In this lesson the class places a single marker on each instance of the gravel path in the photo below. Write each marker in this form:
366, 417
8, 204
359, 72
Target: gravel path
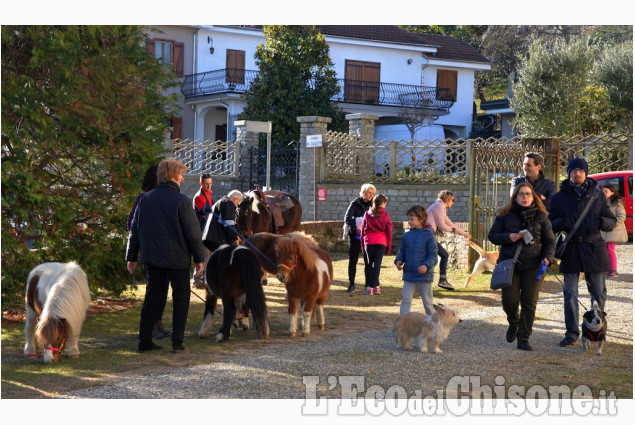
475, 347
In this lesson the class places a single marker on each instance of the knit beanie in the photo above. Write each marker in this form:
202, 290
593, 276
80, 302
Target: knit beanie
577, 163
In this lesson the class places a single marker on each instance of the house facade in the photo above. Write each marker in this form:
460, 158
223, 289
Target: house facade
381, 69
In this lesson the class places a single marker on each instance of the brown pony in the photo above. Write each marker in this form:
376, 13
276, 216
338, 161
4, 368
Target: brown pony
307, 273
263, 244
254, 215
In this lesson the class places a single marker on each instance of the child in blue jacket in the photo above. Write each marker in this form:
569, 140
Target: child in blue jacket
417, 257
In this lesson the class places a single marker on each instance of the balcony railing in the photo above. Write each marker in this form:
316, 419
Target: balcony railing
351, 91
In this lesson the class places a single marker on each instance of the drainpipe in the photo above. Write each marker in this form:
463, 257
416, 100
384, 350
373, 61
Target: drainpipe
194, 71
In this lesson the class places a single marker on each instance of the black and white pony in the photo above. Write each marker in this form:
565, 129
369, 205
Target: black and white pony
59, 295
233, 275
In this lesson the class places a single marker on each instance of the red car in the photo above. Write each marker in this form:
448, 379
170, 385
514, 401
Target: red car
623, 181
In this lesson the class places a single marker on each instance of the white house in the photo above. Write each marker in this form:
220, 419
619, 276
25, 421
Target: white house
381, 69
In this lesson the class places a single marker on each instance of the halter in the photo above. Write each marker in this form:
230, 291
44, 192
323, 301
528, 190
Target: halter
62, 346
287, 267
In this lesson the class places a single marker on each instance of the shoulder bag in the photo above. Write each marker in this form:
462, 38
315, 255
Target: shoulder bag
504, 270
562, 240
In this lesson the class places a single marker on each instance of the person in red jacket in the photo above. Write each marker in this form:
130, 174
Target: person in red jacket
376, 238
202, 201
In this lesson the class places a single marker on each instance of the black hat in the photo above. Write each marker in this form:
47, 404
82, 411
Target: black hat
577, 163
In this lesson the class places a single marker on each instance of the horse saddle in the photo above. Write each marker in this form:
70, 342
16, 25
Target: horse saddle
279, 202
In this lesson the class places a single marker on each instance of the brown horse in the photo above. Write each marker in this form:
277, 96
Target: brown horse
258, 210
307, 273
263, 244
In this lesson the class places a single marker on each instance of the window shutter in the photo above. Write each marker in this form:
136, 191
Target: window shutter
446, 79
178, 59
150, 47
177, 128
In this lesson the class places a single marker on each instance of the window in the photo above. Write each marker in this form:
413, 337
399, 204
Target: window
446, 84
168, 52
177, 127
361, 82
235, 64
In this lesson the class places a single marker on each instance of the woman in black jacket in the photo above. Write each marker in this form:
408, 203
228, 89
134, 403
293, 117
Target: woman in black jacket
164, 236
356, 211
524, 211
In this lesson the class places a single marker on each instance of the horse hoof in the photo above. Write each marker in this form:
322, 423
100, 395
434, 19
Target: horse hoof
321, 327
291, 334
220, 338
305, 334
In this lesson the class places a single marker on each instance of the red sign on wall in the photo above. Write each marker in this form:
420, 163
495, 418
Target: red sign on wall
322, 194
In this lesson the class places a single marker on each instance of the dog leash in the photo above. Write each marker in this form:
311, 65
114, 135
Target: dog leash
244, 238
564, 288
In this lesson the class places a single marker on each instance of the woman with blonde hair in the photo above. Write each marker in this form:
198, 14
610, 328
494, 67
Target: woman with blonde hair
353, 219
441, 223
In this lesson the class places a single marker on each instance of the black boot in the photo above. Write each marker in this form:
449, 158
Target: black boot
443, 283
351, 288
510, 336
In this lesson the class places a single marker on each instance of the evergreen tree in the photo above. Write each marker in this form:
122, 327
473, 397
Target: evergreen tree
82, 118
296, 78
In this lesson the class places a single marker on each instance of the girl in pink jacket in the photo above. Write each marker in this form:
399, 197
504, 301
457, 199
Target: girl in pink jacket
376, 238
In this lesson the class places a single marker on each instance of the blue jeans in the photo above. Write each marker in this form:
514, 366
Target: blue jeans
425, 290
596, 284
443, 263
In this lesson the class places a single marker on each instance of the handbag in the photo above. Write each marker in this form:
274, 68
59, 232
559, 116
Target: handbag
503, 272
562, 240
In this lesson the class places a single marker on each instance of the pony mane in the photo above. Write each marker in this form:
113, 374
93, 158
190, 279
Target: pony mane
69, 296
307, 239
305, 253
47, 330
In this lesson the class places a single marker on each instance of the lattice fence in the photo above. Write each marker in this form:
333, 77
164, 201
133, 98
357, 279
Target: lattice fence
348, 158
603, 153
217, 158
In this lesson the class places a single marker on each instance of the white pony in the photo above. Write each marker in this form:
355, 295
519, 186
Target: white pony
58, 293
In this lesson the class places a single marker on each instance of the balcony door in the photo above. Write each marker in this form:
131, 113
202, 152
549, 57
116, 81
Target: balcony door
235, 64
361, 83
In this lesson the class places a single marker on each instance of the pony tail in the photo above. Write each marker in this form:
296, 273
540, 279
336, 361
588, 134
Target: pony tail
378, 200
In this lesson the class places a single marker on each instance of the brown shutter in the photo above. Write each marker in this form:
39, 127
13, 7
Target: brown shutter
150, 47
235, 64
177, 128
178, 59
446, 79
361, 82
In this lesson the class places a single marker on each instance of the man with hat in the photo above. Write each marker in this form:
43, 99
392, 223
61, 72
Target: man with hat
586, 249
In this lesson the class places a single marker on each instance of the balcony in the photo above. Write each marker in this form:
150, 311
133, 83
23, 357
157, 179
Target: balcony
224, 81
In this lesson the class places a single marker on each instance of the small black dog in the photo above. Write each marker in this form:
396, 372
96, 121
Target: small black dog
594, 328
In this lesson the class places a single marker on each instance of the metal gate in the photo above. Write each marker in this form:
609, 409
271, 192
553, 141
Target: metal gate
495, 162
285, 168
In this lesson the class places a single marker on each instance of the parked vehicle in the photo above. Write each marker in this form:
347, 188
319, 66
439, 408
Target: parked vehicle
623, 181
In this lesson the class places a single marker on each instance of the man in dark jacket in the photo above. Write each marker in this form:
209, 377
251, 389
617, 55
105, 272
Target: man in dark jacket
221, 225
532, 167
586, 250
356, 210
165, 235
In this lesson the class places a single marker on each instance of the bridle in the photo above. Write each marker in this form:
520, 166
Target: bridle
62, 345
289, 269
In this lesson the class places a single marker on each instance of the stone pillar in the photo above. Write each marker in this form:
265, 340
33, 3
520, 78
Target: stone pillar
245, 140
363, 125
311, 164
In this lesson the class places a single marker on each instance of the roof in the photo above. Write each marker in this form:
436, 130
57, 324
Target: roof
448, 48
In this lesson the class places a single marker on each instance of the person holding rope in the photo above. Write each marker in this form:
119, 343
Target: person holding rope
164, 236
585, 250
221, 223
